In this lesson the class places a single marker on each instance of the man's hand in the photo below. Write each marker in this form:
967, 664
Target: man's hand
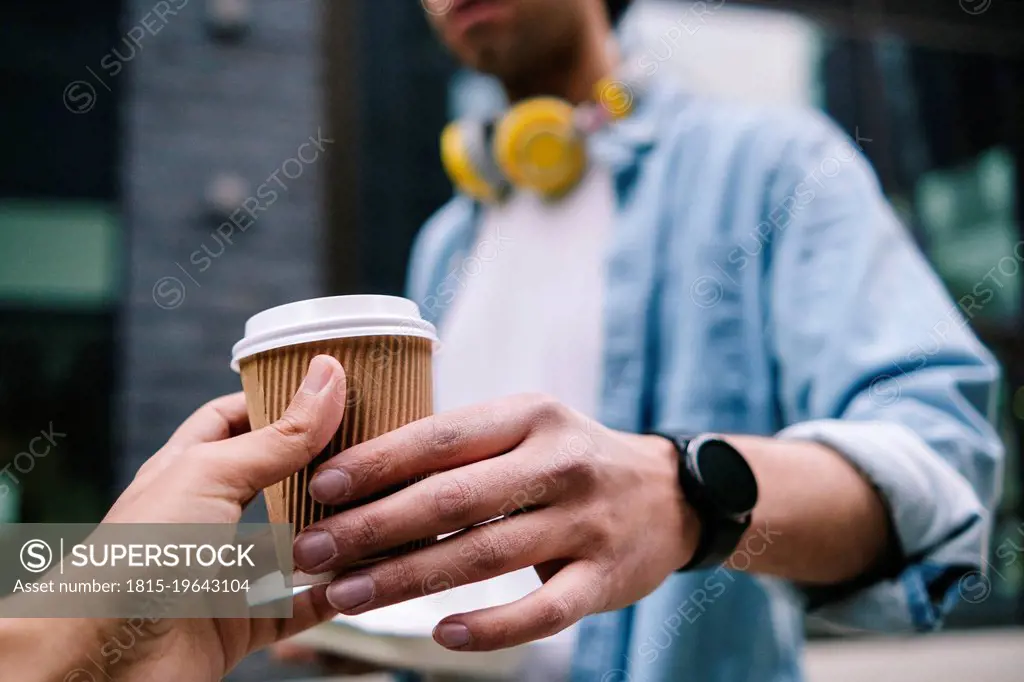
598, 513
211, 467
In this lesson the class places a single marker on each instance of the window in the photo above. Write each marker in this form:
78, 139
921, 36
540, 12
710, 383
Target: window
59, 265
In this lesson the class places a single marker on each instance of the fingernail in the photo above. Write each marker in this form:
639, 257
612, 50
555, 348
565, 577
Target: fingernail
452, 635
330, 486
351, 592
312, 549
318, 375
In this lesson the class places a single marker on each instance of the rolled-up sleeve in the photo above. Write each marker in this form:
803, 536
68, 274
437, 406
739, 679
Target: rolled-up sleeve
876, 361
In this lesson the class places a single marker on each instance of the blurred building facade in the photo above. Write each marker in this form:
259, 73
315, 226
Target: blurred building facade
222, 217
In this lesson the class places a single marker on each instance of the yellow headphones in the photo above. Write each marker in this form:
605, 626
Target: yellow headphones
539, 144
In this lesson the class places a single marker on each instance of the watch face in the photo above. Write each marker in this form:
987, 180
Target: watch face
727, 477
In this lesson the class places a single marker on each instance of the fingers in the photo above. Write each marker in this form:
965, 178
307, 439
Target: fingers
478, 554
572, 593
258, 459
308, 609
441, 504
217, 420
437, 443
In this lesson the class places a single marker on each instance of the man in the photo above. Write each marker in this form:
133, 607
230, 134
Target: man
719, 269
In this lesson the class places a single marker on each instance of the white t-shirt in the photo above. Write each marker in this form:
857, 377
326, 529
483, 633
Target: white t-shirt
528, 317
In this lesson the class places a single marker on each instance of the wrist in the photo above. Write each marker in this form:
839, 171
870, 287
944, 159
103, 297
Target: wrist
692, 530
687, 532
720, 488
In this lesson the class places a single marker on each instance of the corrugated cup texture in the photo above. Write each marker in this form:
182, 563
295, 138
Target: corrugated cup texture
389, 382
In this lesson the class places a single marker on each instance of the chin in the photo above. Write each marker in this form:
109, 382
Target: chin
490, 62
490, 59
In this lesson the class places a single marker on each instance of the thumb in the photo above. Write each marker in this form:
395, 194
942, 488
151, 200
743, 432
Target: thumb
262, 458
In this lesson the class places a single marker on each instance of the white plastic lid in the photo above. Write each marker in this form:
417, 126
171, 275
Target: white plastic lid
337, 317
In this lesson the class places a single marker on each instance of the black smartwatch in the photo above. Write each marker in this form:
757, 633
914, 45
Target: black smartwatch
720, 486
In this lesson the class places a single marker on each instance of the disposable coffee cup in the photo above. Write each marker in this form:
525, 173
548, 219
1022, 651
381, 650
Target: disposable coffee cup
386, 349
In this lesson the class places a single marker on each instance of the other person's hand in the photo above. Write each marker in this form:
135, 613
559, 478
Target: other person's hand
206, 473
598, 512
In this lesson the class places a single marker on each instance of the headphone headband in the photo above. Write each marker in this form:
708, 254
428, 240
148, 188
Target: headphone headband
538, 144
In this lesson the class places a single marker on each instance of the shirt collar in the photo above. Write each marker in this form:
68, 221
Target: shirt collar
621, 144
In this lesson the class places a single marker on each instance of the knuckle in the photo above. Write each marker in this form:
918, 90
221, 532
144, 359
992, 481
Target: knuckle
581, 468
589, 535
366, 468
547, 410
454, 500
556, 614
212, 406
295, 426
577, 473
445, 434
395, 578
491, 553
365, 531
584, 527
207, 408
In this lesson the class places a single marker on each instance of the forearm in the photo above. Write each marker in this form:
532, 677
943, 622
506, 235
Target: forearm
80, 650
817, 520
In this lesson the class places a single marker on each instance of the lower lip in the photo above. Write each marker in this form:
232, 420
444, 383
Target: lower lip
477, 13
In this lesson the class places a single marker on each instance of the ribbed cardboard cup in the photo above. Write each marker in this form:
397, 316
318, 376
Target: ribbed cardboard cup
386, 349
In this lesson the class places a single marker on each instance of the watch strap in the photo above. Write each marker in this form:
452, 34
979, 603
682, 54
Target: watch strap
720, 534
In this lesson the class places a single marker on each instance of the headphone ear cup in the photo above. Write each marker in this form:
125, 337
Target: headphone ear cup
536, 146
464, 153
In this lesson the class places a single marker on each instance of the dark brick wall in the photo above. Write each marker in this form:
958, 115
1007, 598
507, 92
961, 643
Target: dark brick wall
195, 107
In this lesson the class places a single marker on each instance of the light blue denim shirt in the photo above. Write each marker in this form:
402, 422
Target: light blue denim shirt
759, 283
